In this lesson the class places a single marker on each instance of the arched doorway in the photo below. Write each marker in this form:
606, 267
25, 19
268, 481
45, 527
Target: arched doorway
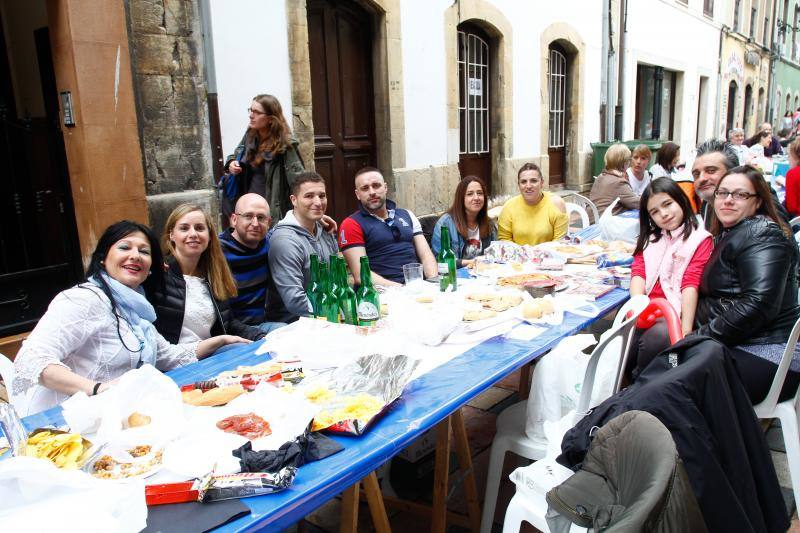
729, 122
558, 119
748, 106
340, 43
761, 115
474, 104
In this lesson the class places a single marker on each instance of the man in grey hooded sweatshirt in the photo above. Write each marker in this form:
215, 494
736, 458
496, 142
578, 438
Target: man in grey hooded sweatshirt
291, 243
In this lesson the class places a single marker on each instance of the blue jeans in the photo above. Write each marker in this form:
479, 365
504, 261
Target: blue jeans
267, 327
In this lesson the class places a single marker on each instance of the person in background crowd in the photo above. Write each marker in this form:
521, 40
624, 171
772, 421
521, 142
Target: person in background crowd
97, 330
667, 159
638, 175
613, 183
266, 161
193, 303
668, 261
470, 228
246, 249
748, 294
291, 243
534, 215
390, 236
793, 180
774, 146
786, 122
758, 144
736, 139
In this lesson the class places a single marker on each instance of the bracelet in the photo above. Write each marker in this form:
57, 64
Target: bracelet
95, 388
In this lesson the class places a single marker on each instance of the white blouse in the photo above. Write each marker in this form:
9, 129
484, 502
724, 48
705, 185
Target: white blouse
79, 332
199, 314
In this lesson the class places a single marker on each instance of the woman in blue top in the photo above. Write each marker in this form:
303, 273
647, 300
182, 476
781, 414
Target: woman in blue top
471, 230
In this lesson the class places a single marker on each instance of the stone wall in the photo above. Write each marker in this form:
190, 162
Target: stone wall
167, 54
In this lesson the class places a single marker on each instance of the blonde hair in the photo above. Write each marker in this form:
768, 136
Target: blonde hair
642, 150
616, 156
212, 265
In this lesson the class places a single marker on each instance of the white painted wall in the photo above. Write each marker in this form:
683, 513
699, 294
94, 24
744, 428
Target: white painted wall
425, 83
251, 53
528, 20
667, 34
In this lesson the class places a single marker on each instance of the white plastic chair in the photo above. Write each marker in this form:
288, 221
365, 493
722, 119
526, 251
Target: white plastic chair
543, 475
511, 436
794, 222
787, 411
575, 208
587, 205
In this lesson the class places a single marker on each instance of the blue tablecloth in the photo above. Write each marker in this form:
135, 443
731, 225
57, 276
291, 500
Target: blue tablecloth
425, 402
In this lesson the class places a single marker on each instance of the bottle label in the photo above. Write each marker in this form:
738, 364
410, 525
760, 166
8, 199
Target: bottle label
443, 270
367, 311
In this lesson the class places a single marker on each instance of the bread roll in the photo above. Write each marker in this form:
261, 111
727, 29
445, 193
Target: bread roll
213, 397
537, 308
138, 419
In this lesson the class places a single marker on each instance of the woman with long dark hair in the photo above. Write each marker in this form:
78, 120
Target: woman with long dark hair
96, 331
194, 302
748, 294
667, 159
266, 161
467, 220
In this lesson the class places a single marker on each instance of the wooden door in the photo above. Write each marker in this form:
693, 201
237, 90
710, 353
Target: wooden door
557, 115
340, 49
39, 253
473, 103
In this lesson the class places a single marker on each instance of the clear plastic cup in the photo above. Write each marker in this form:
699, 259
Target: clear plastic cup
413, 276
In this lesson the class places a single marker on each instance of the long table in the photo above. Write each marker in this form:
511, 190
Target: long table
425, 402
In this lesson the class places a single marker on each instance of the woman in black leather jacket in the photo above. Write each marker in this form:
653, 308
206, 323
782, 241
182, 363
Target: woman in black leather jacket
194, 305
748, 294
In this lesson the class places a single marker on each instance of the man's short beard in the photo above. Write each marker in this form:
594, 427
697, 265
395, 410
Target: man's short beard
378, 208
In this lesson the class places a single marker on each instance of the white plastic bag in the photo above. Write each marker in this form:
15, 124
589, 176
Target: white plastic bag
558, 379
143, 390
35, 495
614, 228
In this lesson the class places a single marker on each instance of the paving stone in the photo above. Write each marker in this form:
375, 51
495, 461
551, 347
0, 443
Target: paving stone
490, 398
775, 439
782, 469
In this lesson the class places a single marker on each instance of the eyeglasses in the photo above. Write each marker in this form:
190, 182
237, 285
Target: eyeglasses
722, 194
255, 111
248, 217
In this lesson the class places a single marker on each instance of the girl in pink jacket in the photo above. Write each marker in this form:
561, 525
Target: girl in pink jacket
668, 261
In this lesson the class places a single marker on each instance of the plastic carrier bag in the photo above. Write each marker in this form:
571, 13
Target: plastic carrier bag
614, 228
558, 378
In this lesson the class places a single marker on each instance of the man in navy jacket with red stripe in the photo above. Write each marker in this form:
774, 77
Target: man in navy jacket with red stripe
391, 237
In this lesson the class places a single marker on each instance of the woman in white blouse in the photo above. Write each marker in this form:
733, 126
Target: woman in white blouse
193, 304
96, 331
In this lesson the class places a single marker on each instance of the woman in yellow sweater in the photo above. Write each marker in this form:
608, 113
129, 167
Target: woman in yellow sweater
534, 215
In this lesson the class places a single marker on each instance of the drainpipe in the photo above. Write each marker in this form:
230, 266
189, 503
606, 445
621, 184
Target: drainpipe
610, 86
717, 107
210, 72
604, 82
619, 110
774, 55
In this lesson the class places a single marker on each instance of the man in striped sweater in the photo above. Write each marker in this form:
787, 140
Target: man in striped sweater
245, 247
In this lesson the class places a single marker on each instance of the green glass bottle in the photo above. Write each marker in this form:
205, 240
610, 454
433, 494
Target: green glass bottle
312, 289
369, 304
328, 306
447, 264
348, 305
